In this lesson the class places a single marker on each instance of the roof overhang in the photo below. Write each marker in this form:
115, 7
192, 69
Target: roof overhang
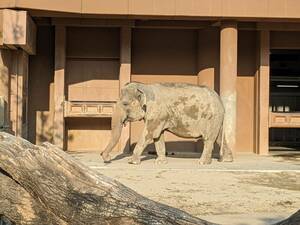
17, 30
259, 9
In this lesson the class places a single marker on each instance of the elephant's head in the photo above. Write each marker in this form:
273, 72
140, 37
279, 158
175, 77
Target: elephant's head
131, 107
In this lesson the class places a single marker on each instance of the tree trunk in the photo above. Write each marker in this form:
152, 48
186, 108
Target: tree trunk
17, 206
44, 185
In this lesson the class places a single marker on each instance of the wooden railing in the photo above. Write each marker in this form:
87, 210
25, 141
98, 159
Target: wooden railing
284, 120
88, 109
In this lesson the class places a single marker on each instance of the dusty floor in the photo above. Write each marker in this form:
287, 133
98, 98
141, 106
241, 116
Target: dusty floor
252, 190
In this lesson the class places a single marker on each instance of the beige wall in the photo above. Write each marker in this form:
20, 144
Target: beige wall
88, 134
92, 74
92, 80
164, 52
40, 99
245, 91
208, 57
92, 70
158, 55
93, 42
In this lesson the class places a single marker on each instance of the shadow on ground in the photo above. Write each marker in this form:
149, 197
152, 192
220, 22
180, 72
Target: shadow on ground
287, 156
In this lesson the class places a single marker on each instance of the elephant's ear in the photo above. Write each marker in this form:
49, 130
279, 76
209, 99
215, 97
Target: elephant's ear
141, 97
145, 93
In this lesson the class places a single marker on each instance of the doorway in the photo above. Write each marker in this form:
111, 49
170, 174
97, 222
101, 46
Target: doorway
284, 133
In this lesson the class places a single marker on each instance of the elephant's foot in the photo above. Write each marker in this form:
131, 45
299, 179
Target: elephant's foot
205, 161
136, 160
226, 158
161, 160
106, 157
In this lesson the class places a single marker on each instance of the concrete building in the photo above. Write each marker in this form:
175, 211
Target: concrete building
63, 64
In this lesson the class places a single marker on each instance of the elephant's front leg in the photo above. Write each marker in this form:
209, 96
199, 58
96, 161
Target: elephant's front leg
161, 150
146, 139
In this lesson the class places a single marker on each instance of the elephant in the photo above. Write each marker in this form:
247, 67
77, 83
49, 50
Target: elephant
186, 110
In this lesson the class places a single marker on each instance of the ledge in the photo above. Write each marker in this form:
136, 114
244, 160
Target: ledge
280, 9
88, 109
17, 30
284, 120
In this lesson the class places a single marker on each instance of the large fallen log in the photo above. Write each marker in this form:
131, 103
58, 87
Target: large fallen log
17, 205
43, 185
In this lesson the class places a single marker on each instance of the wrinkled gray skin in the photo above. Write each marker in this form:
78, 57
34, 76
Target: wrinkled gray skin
186, 110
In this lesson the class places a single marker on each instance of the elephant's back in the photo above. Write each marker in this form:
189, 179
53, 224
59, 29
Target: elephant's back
192, 110
186, 88
180, 97
174, 91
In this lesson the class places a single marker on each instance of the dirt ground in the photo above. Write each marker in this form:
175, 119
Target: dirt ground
253, 190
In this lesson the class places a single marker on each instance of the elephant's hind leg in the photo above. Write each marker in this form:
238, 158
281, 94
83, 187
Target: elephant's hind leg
161, 150
225, 154
225, 151
207, 152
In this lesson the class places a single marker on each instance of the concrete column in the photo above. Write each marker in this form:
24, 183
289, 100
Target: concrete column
125, 74
18, 93
263, 82
59, 86
23, 61
14, 92
5, 60
228, 77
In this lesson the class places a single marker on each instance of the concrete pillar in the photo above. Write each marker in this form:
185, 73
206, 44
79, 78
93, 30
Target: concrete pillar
125, 74
19, 93
59, 86
14, 92
263, 92
5, 88
228, 78
23, 62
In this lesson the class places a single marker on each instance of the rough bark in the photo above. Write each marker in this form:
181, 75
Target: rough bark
18, 206
44, 185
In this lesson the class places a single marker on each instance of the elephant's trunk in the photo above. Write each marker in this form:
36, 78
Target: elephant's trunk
117, 121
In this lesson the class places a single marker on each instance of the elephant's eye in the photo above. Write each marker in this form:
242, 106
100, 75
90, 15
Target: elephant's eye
125, 103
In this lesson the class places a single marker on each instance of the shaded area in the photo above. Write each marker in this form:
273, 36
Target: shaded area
174, 149
164, 52
288, 181
287, 155
285, 93
41, 71
5, 221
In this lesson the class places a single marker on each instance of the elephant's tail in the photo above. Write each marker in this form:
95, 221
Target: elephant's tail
221, 140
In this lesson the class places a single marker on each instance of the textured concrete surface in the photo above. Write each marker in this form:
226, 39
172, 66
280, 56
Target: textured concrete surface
253, 190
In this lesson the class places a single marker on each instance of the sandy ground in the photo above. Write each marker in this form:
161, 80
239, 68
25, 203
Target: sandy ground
252, 190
